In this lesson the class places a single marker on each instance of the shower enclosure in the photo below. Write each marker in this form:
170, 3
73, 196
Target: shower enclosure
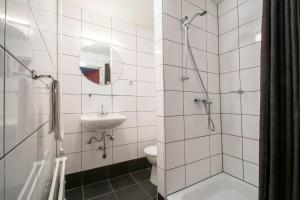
208, 63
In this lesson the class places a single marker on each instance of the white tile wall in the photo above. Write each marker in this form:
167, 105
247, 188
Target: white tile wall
136, 101
240, 69
187, 152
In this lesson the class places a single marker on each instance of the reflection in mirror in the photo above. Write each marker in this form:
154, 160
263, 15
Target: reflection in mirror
100, 63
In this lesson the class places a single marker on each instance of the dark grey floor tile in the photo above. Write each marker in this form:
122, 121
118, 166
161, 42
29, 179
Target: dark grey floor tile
110, 196
142, 175
96, 189
74, 194
132, 193
122, 181
149, 188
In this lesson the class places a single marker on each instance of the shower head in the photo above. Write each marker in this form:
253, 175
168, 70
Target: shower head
187, 22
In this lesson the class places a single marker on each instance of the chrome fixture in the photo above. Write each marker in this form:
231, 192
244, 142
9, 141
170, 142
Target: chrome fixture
35, 75
103, 140
102, 113
187, 49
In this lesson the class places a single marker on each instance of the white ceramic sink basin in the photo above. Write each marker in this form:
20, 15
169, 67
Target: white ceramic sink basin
96, 122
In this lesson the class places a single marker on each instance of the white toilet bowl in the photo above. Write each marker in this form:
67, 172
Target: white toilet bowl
151, 154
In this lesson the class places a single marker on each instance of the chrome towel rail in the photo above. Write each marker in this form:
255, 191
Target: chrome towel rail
35, 75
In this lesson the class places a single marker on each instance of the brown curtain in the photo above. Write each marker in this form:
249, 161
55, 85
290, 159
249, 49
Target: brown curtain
279, 120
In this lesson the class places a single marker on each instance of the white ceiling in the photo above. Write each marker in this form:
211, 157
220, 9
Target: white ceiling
136, 11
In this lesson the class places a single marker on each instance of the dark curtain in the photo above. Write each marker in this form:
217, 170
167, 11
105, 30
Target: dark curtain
279, 120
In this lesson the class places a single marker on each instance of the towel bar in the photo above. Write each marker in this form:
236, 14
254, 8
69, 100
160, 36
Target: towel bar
35, 75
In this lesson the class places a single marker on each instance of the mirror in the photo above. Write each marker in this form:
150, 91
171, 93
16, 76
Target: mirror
100, 63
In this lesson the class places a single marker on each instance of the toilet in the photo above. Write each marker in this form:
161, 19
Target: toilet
151, 155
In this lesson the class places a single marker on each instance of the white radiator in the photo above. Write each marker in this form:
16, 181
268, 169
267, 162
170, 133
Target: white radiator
57, 191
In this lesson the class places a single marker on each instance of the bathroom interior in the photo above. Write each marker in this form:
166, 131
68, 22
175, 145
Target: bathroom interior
149, 99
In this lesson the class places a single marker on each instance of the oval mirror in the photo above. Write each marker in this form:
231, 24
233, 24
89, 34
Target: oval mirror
100, 63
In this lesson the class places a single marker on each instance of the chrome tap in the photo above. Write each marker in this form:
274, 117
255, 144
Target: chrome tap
102, 113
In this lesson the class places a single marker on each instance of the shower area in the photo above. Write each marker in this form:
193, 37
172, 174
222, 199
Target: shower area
208, 91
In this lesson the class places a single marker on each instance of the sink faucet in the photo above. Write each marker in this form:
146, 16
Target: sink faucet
102, 111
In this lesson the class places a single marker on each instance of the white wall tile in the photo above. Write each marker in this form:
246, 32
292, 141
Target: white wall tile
174, 128
231, 103
71, 10
70, 65
250, 79
123, 26
71, 123
228, 21
145, 89
172, 78
124, 136
174, 154
228, 41
70, 45
125, 152
212, 24
231, 124
230, 82
172, 53
95, 18
127, 56
173, 103
212, 63
124, 103
197, 38
216, 164
146, 104
71, 27
74, 88
145, 33
145, 45
145, 74
251, 150
212, 43
229, 61
233, 166
146, 133
251, 103
94, 32
73, 163
146, 118
196, 149
232, 145
250, 126
175, 179
199, 3
145, 59
251, 173
213, 83
250, 33
71, 103
124, 87
250, 56
197, 171
172, 29
195, 126
172, 7
225, 6
212, 7
124, 40
161, 155
72, 143
250, 10
215, 144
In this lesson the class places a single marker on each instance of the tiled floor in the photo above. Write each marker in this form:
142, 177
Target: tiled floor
132, 186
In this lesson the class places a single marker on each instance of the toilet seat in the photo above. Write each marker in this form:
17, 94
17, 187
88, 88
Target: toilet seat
151, 150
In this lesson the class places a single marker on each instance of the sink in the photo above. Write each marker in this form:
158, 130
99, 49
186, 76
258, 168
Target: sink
102, 122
